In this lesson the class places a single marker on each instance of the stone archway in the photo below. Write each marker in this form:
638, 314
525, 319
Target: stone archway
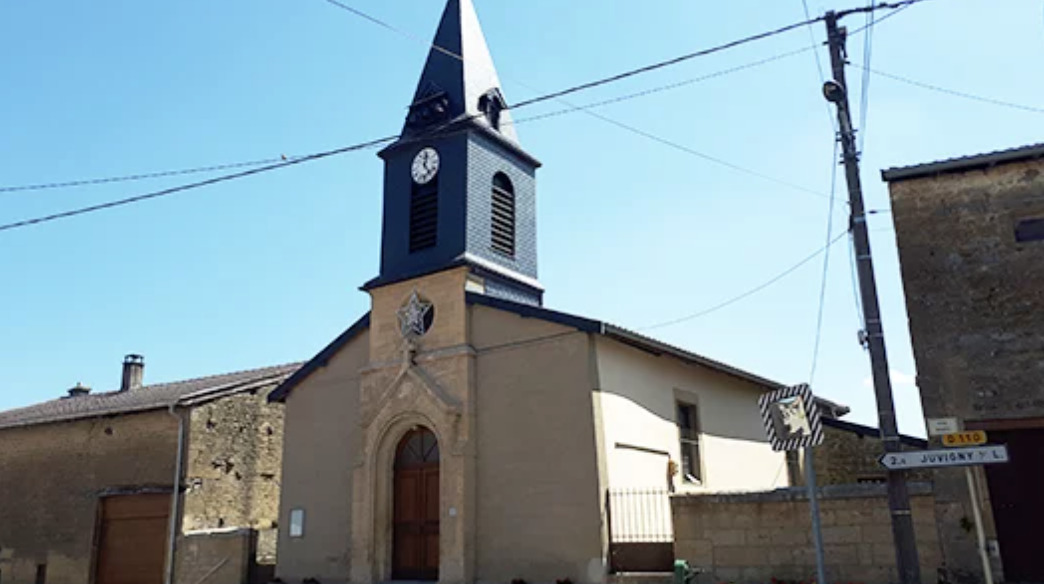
415, 507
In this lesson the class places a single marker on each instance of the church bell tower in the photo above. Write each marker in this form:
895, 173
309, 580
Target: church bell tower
459, 190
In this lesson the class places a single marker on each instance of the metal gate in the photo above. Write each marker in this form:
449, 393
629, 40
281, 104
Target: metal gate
641, 533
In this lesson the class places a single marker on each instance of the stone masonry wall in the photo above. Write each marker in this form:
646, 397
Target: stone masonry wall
51, 477
752, 538
847, 457
233, 468
975, 299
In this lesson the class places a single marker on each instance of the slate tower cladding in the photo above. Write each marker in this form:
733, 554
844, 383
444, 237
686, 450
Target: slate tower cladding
458, 187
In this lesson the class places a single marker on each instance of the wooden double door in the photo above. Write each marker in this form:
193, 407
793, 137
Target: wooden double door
415, 546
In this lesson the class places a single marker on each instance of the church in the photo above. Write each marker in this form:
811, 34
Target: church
462, 432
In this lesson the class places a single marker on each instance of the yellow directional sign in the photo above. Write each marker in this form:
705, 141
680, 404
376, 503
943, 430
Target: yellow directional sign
964, 439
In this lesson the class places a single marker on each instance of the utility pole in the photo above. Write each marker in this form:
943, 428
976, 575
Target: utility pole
836, 91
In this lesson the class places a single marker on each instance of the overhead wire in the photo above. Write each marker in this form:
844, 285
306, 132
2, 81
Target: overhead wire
195, 185
559, 95
826, 265
953, 92
307, 158
160, 174
864, 87
142, 176
560, 112
748, 293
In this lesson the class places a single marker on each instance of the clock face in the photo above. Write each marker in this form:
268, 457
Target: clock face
425, 166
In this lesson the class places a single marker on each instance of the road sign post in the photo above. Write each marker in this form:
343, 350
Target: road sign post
792, 422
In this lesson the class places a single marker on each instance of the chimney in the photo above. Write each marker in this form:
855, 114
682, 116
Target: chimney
133, 372
79, 390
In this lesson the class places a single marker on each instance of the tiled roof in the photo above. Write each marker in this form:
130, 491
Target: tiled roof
150, 397
964, 163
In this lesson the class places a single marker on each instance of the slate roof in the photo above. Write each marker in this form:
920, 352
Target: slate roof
964, 163
871, 432
622, 335
149, 397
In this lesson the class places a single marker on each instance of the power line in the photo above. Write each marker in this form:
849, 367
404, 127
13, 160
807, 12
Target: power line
864, 87
144, 176
677, 60
196, 185
812, 38
668, 87
826, 264
953, 92
558, 95
229, 166
748, 293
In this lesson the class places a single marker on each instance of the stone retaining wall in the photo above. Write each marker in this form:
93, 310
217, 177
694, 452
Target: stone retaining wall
752, 538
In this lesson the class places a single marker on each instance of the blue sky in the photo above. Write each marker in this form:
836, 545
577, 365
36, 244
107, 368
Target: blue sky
265, 270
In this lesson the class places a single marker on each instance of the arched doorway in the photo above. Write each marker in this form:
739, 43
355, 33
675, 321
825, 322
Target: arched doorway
415, 527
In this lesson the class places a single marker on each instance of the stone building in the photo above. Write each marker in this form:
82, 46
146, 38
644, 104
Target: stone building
849, 455
462, 432
970, 233
86, 482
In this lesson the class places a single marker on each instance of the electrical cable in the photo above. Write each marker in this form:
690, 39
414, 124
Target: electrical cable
620, 99
864, 88
748, 293
826, 265
134, 177
953, 92
187, 187
558, 95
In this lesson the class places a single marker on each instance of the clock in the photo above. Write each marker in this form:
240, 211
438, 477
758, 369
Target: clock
425, 166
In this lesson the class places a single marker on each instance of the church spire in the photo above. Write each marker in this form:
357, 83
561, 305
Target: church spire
459, 79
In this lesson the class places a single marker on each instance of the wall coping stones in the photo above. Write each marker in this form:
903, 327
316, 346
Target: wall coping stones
858, 491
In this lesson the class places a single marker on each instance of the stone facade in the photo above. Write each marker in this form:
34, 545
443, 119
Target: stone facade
756, 537
849, 455
54, 475
975, 299
234, 463
51, 477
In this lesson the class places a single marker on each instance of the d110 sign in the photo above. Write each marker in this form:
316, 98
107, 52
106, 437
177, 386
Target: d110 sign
943, 458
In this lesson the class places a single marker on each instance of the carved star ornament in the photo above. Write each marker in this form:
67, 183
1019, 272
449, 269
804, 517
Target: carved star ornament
415, 317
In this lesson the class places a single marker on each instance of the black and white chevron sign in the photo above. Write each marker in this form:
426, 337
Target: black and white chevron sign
791, 418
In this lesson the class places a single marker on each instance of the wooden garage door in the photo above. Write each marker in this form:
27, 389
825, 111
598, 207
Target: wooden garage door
132, 547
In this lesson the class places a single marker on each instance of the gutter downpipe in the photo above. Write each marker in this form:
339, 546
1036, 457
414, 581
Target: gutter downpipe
175, 502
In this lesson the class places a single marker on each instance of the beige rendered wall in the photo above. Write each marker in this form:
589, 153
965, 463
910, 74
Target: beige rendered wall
51, 477
321, 441
539, 514
638, 398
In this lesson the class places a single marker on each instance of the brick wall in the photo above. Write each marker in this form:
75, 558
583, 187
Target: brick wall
755, 537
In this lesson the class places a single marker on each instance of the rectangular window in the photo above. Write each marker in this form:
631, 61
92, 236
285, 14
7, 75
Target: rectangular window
297, 519
424, 216
689, 436
41, 574
1029, 230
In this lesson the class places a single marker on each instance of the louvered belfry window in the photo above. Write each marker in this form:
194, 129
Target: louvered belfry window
503, 215
424, 216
